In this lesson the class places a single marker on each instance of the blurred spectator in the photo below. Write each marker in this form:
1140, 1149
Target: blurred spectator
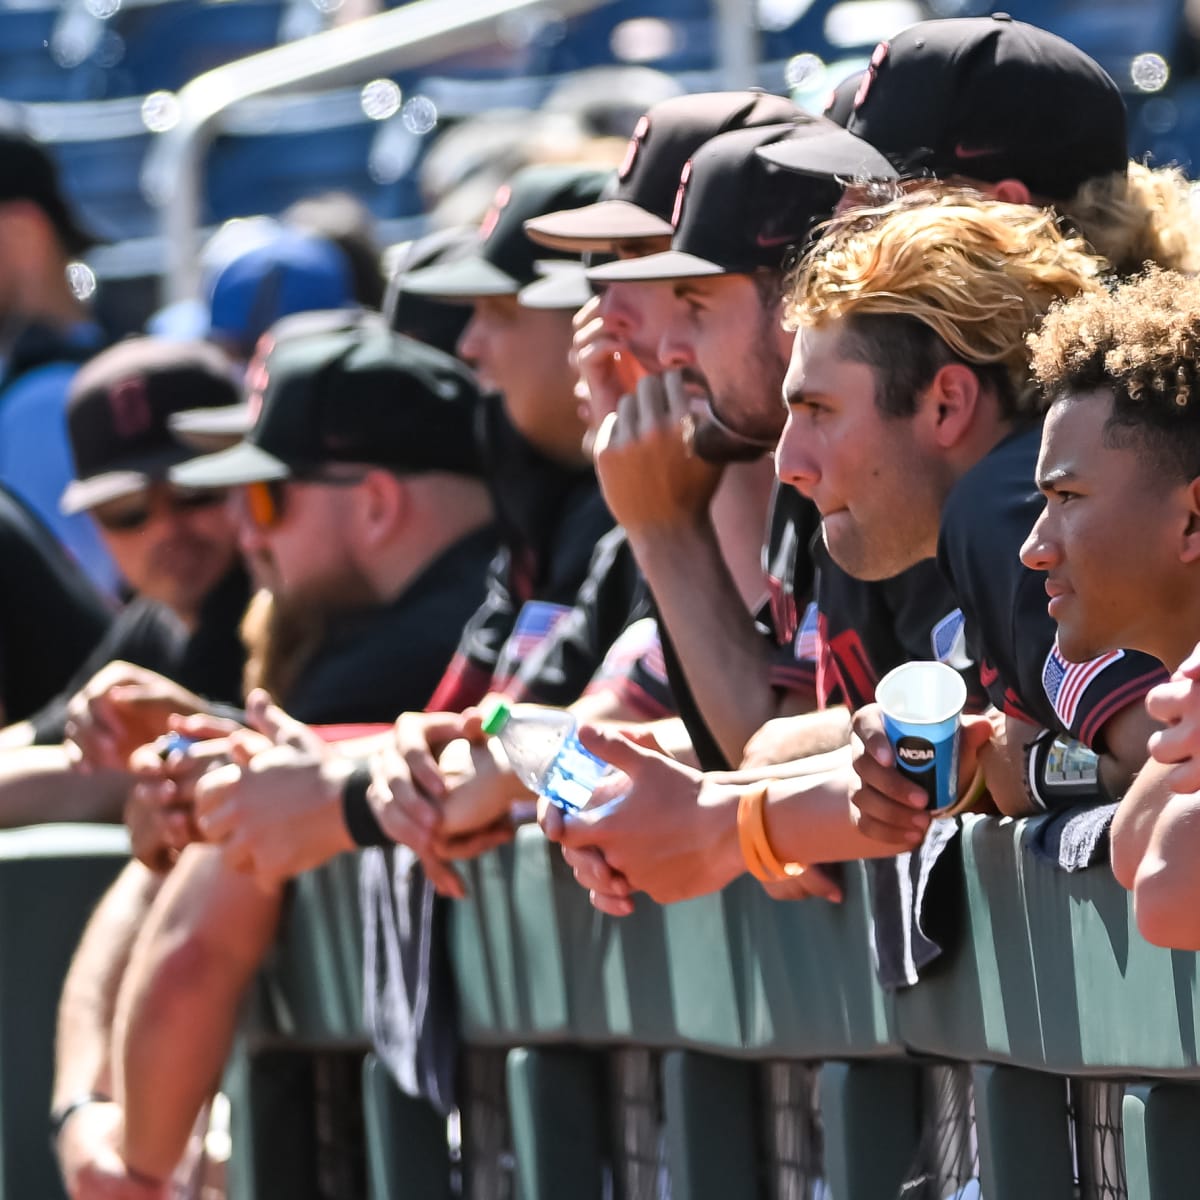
176, 550
362, 509
257, 272
608, 101
343, 219
425, 318
47, 332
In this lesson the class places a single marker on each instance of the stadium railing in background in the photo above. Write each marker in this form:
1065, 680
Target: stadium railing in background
738, 1047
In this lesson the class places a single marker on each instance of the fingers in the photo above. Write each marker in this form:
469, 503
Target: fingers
265, 716
1168, 702
592, 872
477, 842
203, 727
445, 879
867, 727
1190, 667
213, 815
882, 819
616, 749
612, 906
650, 405
404, 815
808, 882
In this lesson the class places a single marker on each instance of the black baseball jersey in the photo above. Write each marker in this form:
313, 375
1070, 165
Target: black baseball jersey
865, 629
791, 577
608, 641
51, 618
1009, 632
550, 518
387, 659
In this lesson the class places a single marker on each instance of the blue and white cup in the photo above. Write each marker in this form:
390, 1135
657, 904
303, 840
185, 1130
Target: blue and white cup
921, 703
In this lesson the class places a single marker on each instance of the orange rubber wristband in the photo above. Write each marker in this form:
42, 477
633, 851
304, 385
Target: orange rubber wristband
762, 860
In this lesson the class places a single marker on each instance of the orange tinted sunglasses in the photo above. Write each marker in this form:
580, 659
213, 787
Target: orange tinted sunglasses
265, 500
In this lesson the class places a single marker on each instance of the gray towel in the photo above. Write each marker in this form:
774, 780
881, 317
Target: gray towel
1074, 838
409, 1004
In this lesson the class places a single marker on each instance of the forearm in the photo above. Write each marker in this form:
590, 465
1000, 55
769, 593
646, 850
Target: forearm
814, 764
1144, 805
808, 819
724, 656
39, 785
89, 996
1166, 891
178, 1005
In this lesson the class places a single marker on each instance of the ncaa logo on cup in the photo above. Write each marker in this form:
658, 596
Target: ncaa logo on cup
915, 753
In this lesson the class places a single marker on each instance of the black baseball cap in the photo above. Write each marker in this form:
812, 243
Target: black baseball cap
989, 98
363, 394
118, 410
735, 213
207, 429
644, 196
27, 172
561, 284
504, 259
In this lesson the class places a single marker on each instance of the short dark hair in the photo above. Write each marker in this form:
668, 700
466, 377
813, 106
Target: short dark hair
1138, 343
906, 354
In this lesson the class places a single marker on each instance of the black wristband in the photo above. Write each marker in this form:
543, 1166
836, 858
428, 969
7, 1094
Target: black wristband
357, 814
64, 1112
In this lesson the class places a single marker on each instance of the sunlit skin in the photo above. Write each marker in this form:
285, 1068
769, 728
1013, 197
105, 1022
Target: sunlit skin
716, 334
878, 489
178, 555
523, 353
1117, 540
307, 555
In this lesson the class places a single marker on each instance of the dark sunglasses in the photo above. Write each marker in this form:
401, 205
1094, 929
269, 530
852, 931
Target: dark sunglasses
265, 501
130, 513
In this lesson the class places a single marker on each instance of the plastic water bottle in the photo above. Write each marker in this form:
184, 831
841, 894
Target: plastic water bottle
545, 753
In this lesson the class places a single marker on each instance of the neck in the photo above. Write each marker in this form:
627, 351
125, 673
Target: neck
447, 512
739, 516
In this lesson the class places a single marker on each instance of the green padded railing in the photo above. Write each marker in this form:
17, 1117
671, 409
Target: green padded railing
1048, 979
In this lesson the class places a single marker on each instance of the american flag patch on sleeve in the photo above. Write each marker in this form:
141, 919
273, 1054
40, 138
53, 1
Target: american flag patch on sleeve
1065, 682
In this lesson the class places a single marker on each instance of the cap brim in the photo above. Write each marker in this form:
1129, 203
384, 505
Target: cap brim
563, 286
211, 428
126, 478
596, 226
243, 463
463, 280
833, 153
654, 268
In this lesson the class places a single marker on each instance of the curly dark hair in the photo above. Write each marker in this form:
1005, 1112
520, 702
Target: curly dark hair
1138, 342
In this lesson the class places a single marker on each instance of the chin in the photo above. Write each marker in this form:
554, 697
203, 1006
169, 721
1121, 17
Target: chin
847, 548
1077, 646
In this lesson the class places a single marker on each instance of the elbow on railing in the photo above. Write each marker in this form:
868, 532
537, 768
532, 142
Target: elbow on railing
1165, 904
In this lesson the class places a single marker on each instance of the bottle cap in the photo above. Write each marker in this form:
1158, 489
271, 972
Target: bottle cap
497, 718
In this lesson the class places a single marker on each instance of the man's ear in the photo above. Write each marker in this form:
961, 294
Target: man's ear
384, 505
1189, 550
1011, 191
948, 406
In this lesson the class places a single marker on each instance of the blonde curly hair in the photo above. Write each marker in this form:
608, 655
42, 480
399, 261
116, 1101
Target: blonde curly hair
968, 276
1141, 216
1139, 344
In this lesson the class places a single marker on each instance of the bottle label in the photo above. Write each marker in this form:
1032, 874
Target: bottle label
573, 776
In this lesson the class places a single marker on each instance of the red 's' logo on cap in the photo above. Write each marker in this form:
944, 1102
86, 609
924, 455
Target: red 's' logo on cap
877, 60
635, 146
129, 404
684, 178
257, 376
492, 217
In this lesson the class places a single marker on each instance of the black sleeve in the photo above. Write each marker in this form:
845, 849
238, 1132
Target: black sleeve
144, 634
51, 617
613, 596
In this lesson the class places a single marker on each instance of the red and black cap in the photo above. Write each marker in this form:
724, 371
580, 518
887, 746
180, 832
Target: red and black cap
358, 394
735, 212
503, 259
988, 98
119, 408
666, 136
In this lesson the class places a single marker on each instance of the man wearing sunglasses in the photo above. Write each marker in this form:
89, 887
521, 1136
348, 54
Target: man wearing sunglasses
361, 511
177, 554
